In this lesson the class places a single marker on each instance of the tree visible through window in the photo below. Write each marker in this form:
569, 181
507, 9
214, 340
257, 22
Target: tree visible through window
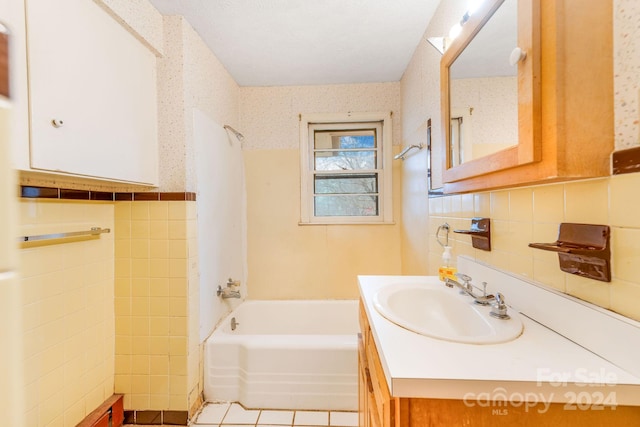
344, 171
345, 176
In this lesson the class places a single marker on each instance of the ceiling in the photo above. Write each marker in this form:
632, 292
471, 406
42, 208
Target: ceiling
308, 42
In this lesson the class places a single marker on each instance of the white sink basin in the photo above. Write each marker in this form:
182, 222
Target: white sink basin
440, 312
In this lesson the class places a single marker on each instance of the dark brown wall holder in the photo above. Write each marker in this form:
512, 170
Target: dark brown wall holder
583, 249
480, 232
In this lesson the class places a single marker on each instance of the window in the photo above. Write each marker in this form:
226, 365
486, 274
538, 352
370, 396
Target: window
345, 168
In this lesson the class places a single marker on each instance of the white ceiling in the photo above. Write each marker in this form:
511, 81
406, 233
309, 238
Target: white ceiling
308, 42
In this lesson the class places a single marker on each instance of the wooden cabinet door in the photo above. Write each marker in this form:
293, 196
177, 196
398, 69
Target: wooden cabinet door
375, 402
362, 385
92, 94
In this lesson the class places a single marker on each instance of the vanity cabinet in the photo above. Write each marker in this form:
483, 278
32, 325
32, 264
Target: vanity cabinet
376, 407
379, 408
565, 126
92, 95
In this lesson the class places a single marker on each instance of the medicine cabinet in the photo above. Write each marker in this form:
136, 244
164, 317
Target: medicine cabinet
527, 94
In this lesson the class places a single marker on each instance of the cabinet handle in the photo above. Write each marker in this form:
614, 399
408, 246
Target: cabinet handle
57, 123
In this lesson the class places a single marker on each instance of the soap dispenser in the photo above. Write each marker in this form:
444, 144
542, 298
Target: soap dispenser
447, 269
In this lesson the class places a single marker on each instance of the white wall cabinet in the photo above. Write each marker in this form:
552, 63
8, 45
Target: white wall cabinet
92, 94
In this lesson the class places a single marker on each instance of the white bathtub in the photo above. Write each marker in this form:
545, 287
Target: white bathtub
285, 355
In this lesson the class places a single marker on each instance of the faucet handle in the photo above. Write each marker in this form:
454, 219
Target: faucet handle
499, 309
232, 282
484, 299
466, 279
467, 286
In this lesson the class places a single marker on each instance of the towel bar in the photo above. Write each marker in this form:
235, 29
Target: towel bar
92, 232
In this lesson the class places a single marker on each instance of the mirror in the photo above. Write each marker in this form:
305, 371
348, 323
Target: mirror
488, 105
483, 90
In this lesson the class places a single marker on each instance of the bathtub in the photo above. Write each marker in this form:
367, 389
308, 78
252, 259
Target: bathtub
285, 355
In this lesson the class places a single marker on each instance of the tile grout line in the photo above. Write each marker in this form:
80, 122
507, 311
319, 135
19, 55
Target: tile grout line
260, 411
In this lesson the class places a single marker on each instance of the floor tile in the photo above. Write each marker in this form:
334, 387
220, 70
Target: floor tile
343, 419
311, 418
238, 415
212, 413
275, 418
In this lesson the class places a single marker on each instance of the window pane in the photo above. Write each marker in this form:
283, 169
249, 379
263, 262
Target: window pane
345, 160
344, 139
354, 141
346, 184
346, 205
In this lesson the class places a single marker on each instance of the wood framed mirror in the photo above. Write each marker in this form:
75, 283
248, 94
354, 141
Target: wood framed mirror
490, 108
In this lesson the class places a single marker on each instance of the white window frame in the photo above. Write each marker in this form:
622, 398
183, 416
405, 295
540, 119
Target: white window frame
385, 174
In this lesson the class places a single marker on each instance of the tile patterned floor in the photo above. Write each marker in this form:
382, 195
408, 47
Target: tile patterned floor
232, 414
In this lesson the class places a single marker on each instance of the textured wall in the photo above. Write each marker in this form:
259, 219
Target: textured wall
189, 77
270, 115
626, 70
172, 116
489, 108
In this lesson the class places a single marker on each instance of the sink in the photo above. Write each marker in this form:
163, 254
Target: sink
440, 312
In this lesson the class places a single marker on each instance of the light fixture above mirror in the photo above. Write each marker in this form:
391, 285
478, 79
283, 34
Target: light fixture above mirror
442, 43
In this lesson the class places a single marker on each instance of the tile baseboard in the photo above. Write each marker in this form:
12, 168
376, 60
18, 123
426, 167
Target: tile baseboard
34, 192
157, 417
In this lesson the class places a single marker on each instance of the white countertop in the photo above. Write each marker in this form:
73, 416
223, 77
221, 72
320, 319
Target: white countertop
540, 365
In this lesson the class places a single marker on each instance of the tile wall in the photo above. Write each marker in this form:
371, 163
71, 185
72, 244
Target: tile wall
156, 311
533, 214
68, 319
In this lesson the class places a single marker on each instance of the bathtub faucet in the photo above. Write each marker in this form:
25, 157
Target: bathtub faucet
229, 291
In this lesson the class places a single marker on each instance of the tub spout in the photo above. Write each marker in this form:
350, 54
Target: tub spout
229, 291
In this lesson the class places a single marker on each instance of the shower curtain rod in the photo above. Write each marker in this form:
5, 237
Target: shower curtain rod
235, 132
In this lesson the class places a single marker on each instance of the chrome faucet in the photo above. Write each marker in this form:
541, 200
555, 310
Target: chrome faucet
229, 291
467, 288
498, 306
